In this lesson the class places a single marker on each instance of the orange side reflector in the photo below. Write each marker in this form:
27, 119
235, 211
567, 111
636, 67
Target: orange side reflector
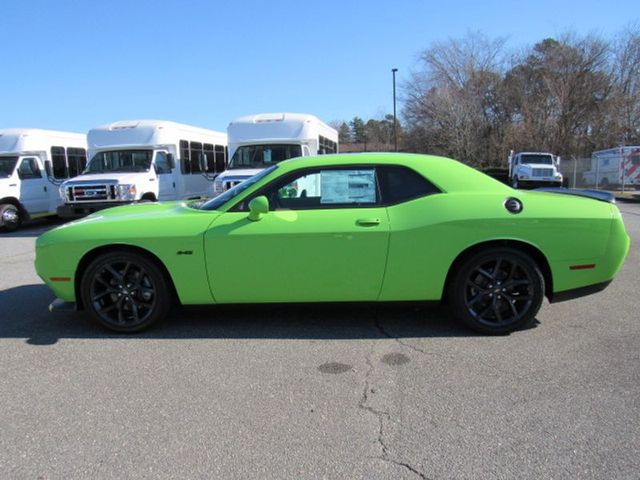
582, 267
60, 279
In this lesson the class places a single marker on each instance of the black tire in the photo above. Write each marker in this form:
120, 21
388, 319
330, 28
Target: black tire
125, 292
497, 291
10, 217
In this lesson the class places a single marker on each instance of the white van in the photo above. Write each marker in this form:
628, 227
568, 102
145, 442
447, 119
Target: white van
33, 163
259, 141
144, 160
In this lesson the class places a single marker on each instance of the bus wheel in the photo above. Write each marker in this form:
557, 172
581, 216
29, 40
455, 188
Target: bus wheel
9, 217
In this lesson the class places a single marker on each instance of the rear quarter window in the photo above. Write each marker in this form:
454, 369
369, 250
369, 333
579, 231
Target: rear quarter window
401, 184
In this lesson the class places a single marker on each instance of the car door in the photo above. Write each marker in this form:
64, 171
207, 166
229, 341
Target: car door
33, 186
325, 238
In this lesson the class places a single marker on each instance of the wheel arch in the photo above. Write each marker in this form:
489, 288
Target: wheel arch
150, 196
534, 252
91, 255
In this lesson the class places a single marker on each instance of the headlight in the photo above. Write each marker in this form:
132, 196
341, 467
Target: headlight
559, 176
524, 177
126, 192
62, 190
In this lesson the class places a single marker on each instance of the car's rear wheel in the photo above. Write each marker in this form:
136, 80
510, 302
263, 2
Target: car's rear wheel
125, 291
10, 218
497, 291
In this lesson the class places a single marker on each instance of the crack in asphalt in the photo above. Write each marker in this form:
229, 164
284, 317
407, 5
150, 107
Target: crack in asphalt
386, 334
381, 415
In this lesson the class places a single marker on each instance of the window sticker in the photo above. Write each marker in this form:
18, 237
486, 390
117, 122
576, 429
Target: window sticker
266, 155
348, 186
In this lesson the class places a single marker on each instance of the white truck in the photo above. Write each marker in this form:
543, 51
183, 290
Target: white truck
534, 169
144, 160
33, 163
613, 168
259, 141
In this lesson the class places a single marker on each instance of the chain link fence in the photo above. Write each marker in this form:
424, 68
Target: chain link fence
602, 173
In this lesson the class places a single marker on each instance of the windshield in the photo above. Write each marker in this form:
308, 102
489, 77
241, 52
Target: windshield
537, 158
261, 156
7, 165
220, 200
120, 161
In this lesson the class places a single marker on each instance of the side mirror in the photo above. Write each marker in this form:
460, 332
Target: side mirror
47, 168
258, 207
557, 161
172, 160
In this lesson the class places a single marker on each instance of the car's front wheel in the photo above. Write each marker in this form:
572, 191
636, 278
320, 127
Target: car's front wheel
10, 218
497, 291
125, 291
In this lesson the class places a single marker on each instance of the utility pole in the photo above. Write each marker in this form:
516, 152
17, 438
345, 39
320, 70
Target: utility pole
395, 122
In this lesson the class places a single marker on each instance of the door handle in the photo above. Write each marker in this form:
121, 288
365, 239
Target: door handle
368, 222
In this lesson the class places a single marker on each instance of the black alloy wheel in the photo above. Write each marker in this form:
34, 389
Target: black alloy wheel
125, 291
497, 291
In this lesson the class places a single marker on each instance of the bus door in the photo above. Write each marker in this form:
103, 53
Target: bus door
166, 176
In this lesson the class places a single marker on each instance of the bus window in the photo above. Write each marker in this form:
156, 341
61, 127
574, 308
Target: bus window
59, 161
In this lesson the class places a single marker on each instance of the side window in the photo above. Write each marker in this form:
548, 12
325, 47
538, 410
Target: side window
221, 158
29, 169
77, 160
162, 163
401, 184
326, 146
59, 161
209, 158
196, 157
326, 188
185, 164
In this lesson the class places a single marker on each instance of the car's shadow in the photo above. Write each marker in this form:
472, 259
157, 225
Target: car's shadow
24, 314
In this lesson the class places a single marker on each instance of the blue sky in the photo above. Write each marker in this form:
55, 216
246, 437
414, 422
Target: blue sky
73, 65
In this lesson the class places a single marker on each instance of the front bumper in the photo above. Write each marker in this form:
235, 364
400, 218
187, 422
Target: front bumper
539, 183
77, 210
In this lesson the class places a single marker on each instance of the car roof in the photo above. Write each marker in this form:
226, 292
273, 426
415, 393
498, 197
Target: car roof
447, 174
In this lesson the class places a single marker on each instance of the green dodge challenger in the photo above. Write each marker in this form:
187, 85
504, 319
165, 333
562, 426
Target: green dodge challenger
341, 228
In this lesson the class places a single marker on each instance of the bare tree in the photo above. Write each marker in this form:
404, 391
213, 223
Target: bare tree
626, 75
451, 103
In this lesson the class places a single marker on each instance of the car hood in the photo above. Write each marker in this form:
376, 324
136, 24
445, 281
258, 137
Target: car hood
132, 222
8, 186
122, 178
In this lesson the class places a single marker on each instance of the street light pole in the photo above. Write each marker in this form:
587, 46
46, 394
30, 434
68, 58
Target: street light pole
395, 123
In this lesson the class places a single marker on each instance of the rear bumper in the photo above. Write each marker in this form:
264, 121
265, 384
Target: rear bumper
59, 305
77, 210
578, 292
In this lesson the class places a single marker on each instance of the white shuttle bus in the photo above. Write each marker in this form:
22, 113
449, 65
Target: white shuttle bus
33, 163
259, 141
144, 160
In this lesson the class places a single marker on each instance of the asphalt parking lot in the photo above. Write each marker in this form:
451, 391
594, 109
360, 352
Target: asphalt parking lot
318, 392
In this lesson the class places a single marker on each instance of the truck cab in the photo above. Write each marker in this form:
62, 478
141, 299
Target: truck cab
534, 169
